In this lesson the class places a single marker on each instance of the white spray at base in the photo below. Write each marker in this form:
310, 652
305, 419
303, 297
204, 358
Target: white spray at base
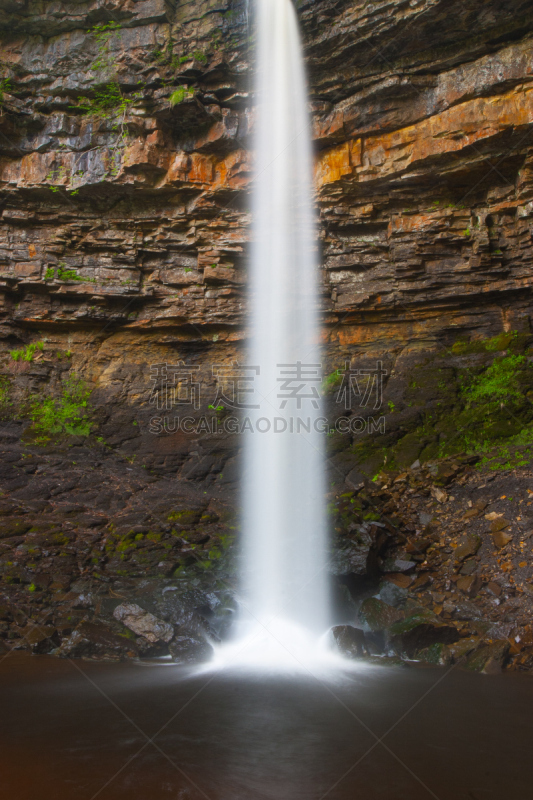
285, 603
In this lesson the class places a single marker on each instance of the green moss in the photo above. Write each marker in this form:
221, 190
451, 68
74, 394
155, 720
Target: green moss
184, 516
482, 407
65, 415
512, 340
5, 86
371, 516
498, 382
180, 94
331, 381
5, 395
438, 654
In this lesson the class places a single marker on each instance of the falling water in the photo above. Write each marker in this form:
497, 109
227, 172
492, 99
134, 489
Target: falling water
285, 585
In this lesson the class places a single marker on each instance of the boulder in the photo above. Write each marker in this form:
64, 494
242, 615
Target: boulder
392, 594
350, 641
41, 638
499, 525
420, 630
187, 649
489, 658
378, 615
143, 623
91, 639
468, 546
500, 539
470, 584
399, 579
437, 654
463, 647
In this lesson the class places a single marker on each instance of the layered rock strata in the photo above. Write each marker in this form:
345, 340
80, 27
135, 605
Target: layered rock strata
125, 168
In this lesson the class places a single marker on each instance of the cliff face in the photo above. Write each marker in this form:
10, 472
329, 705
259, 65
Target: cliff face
422, 116
125, 169
125, 165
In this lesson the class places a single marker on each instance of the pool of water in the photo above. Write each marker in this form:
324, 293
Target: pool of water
90, 730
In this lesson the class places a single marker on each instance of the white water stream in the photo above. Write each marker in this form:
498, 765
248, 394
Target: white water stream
285, 596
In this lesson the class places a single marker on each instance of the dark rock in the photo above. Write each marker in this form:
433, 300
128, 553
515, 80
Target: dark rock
94, 640
499, 525
438, 654
399, 579
470, 584
34, 634
501, 539
463, 647
468, 546
385, 661
392, 594
13, 527
469, 567
465, 610
350, 641
378, 615
397, 565
376, 642
186, 649
418, 631
494, 588
489, 658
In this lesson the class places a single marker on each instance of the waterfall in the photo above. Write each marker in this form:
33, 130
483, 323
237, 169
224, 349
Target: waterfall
284, 552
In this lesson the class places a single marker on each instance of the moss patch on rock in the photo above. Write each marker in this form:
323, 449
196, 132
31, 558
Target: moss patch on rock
473, 398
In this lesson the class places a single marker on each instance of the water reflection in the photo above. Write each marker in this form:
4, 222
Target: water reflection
240, 737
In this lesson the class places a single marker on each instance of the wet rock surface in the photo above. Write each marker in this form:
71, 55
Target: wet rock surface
349, 641
120, 572
145, 566
466, 599
143, 623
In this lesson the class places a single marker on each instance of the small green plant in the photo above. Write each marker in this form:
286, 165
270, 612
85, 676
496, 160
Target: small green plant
27, 353
104, 33
68, 275
331, 381
65, 415
5, 86
108, 101
391, 406
182, 93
